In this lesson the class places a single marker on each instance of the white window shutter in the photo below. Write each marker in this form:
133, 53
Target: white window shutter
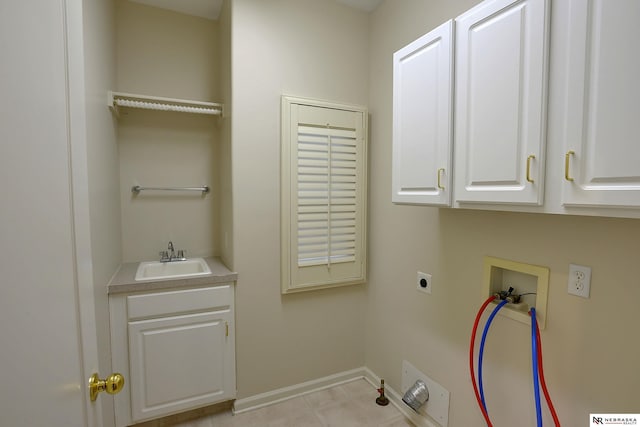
323, 194
327, 198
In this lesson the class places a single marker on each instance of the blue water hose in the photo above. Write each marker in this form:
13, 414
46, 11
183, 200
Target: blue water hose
534, 357
481, 352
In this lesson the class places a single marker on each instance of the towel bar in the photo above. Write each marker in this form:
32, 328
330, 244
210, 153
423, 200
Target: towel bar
137, 188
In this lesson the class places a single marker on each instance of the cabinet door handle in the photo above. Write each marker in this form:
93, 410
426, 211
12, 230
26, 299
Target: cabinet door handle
226, 324
440, 172
531, 157
567, 159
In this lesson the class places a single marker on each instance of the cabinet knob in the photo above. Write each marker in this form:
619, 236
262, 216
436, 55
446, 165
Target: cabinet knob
112, 385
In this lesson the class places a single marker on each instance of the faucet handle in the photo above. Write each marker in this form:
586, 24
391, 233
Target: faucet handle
180, 253
164, 255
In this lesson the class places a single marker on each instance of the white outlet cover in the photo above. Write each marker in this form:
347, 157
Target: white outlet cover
437, 407
579, 281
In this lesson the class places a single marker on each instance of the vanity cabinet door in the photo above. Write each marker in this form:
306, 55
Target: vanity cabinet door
422, 119
178, 363
602, 153
500, 102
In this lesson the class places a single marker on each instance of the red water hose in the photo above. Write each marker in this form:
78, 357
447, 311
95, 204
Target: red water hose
543, 384
471, 367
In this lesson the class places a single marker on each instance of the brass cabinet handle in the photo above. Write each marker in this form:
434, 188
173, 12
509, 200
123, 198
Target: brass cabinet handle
567, 159
112, 385
531, 157
440, 172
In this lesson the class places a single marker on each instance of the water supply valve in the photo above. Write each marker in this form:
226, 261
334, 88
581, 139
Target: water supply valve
508, 295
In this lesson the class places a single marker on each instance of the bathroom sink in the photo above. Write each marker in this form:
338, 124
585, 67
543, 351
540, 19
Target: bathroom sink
156, 270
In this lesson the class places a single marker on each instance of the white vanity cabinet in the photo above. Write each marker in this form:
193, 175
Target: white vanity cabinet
602, 153
501, 66
176, 349
422, 119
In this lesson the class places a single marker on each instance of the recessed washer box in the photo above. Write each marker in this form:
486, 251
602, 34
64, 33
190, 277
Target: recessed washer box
528, 279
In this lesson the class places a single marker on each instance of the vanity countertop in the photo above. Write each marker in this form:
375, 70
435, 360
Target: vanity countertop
123, 280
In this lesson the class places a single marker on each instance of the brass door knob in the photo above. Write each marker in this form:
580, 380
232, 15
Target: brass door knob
112, 385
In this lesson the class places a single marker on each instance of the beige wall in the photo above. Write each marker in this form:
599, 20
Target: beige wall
590, 346
164, 53
102, 168
324, 50
305, 48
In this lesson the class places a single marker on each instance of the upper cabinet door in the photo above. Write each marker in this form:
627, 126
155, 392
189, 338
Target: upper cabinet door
602, 152
500, 103
422, 122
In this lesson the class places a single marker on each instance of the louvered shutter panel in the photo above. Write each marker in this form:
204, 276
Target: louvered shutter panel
324, 196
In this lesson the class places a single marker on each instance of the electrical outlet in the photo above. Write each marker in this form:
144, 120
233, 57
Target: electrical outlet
579, 280
424, 282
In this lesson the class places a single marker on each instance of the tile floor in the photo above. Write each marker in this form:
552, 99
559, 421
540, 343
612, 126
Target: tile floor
348, 405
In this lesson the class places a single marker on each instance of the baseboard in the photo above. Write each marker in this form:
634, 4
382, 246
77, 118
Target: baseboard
276, 396
280, 395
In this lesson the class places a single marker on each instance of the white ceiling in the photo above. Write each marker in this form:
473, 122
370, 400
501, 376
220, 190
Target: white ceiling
210, 9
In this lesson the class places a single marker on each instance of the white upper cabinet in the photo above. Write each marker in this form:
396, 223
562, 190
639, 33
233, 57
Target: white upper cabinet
500, 102
602, 151
422, 119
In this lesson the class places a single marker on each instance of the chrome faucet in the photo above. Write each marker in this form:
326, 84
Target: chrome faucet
170, 254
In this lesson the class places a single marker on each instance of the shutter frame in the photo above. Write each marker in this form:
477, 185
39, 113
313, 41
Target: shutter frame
323, 194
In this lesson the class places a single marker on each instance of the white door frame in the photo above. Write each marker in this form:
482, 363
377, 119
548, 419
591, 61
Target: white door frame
76, 103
